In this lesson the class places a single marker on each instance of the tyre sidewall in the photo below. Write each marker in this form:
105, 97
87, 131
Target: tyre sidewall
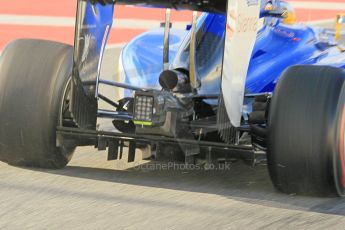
303, 124
34, 75
338, 146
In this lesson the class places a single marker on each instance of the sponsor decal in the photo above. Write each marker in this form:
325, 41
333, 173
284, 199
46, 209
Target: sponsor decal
252, 2
241, 33
87, 41
284, 33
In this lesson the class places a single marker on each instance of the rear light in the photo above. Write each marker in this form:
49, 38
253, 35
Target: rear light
143, 109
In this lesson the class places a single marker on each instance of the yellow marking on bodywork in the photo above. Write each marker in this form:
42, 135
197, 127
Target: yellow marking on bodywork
290, 18
144, 123
340, 20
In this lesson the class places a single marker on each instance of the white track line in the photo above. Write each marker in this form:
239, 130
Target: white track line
313, 23
321, 22
318, 5
115, 46
29, 20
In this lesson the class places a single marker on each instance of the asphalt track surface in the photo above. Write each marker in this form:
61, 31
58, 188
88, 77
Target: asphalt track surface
92, 193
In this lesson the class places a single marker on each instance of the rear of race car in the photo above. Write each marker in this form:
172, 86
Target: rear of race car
176, 112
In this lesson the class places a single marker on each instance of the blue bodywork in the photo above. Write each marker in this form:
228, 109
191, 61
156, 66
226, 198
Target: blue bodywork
278, 46
94, 21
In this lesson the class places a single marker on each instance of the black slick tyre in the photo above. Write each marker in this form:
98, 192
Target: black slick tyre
33, 79
306, 131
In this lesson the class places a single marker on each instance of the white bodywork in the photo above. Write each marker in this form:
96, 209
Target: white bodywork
241, 31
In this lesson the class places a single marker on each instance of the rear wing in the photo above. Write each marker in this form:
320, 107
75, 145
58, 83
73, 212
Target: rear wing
93, 24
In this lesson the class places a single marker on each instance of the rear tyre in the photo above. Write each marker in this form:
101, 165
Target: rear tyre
306, 131
33, 79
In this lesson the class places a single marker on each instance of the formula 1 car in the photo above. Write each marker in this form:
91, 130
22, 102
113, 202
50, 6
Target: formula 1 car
280, 43
216, 93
